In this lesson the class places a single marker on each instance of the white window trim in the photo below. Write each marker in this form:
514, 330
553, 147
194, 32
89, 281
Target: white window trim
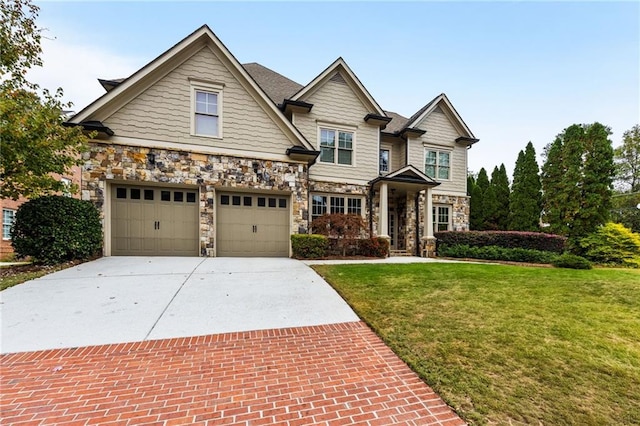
13, 220
434, 216
216, 88
346, 197
338, 128
438, 150
388, 160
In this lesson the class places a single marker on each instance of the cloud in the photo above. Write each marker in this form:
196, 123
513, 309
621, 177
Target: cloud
75, 67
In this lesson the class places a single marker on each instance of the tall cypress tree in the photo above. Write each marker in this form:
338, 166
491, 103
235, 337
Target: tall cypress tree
500, 184
475, 204
577, 180
525, 202
478, 213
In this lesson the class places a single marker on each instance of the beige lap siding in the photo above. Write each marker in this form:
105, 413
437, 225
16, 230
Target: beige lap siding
336, 103
441, 136
105, 164
163, 111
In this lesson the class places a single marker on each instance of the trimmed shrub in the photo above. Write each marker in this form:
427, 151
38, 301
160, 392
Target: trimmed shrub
571, 261
612, 244
305, 246
345, 229
498, 253
506, 239
373, 247
55, 229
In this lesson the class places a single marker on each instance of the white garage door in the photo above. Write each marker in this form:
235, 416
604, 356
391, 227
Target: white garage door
252, 225
150, 221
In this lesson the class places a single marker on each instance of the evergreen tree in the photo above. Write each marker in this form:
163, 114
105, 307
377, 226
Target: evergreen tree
500, 184
490, 209
577, 179
475, 204
525, 202
478, 216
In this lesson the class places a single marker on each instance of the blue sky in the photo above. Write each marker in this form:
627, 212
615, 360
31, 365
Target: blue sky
515, 71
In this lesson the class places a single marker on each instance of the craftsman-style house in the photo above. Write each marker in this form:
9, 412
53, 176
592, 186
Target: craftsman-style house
197, 154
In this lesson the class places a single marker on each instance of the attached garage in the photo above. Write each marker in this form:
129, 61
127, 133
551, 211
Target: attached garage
252, 225
154, 221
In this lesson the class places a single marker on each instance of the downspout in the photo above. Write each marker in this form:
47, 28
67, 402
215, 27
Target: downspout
371, 194
417, 206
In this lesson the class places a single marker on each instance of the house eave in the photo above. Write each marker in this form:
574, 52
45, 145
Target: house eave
467, 141
300, 153
377, 120
289, 106
91, 126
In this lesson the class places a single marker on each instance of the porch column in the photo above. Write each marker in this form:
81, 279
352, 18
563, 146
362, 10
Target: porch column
428, 214
383, 223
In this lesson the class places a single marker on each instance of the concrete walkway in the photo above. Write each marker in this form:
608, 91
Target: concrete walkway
128, 299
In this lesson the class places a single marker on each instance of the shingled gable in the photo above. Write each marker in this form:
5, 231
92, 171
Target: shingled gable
339, 65
467, 138
145, 77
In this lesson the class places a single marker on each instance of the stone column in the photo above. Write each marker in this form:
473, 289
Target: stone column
428, 240
383, 223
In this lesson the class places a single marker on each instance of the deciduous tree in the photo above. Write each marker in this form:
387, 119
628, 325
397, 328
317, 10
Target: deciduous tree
35, 144
627, 158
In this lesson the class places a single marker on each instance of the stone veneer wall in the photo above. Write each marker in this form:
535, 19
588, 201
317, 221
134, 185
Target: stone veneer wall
322, 187
459, 211
127, 164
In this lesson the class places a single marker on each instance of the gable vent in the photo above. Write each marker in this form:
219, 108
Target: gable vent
337, 78
438, 109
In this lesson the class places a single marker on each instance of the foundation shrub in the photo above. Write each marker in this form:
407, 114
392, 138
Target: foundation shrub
505, 239
55, 229
373, 247
305, 246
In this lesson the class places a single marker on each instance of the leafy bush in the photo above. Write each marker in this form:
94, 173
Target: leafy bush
506, 239
373, 247
55, 229
571, 261
612, 244
498, 253
306, 246
344, 228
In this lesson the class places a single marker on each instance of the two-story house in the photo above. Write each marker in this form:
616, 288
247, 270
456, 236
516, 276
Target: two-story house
197, 154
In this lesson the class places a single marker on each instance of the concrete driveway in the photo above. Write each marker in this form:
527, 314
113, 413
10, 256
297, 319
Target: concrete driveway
128, 299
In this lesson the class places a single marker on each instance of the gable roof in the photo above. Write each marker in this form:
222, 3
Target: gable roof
340, 66
160, 66
441, 99
409, 175
275, 85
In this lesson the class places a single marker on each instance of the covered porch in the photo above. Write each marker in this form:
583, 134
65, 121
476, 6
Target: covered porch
400, 200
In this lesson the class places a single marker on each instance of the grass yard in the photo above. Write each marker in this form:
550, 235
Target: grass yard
509, 344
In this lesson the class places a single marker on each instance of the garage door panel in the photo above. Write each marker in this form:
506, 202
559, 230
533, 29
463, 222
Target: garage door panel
153, 221
252, 225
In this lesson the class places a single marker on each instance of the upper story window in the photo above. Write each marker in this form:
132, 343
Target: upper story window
206, 110
437, 164
336, 146
8, 217
384, 161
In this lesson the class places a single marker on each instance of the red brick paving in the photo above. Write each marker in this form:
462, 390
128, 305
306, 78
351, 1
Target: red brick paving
334, 375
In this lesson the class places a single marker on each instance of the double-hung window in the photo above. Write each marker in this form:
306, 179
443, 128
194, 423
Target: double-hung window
437, 164
441, 218
206, 110
336, 146
323, 204
8, 217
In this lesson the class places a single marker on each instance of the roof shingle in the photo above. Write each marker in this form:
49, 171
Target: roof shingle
275, 85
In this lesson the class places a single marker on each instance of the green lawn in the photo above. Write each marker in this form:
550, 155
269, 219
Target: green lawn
510, 344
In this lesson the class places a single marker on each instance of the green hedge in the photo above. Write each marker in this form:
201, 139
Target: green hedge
55, 229
498, 253
305, 246
506, 239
